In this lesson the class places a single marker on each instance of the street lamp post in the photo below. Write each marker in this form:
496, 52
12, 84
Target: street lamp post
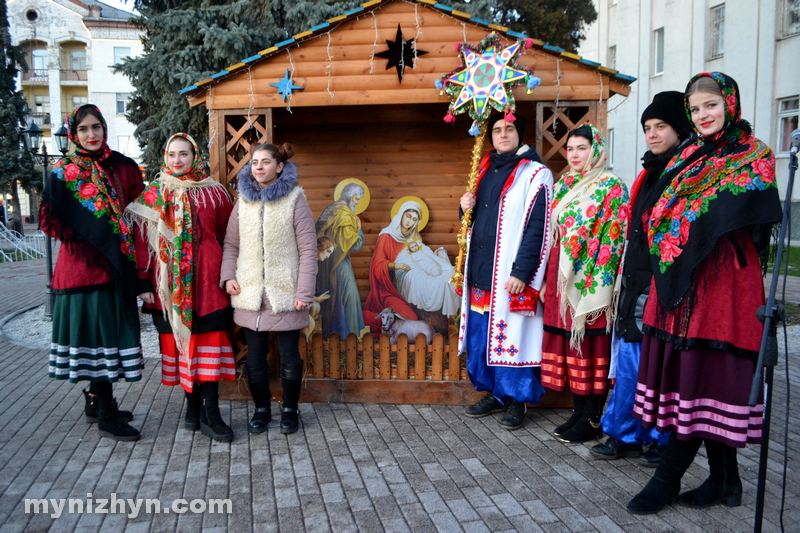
32, 137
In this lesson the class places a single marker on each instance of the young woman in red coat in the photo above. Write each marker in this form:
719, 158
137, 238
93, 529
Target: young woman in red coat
183, 216
95, 321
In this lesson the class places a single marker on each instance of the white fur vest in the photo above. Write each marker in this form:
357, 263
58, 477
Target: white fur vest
268, 258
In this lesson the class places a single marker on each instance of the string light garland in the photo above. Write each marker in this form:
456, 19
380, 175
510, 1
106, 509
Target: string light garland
329, 66
558, 93
374, 44
416, 36
252, 96
212, 138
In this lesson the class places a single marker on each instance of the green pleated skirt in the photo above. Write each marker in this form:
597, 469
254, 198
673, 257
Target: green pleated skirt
93, 339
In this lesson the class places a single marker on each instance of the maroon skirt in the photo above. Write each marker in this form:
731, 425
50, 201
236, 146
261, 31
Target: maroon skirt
697, 393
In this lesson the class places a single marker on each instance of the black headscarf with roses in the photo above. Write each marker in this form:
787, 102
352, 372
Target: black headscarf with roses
719, 184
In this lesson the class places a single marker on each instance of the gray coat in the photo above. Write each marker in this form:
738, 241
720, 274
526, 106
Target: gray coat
265, 319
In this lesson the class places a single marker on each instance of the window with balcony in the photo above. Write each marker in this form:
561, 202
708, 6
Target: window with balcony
39, 59
788, 113
77, 59
40, 114
37, 65
78, 101
717, 32
791, 18
122, 103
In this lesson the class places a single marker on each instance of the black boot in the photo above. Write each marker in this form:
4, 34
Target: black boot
723, 483
614, 449
484, 407
93, 414
652, 456
193, 405
665, 485
514, 415
291, 382
588, 426
259, 388
110, 424
578, 402
211, 422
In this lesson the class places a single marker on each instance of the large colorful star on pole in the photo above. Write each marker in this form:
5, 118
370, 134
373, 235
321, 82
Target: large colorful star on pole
485, 78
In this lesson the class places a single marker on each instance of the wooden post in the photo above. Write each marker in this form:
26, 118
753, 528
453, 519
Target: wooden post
453, 359
420, 357
317, 356
437, 357
334, 357
385, 357
368, 357
402, 356
351, 360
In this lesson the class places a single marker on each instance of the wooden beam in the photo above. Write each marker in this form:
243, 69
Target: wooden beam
425, 392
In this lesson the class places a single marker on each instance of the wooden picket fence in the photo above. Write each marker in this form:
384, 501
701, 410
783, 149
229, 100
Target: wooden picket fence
369, 371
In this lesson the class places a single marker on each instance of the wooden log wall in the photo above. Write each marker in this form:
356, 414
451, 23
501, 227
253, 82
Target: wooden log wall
339, 68
366, 370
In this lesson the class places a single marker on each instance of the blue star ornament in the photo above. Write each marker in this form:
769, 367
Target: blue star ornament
286, 85
486, 76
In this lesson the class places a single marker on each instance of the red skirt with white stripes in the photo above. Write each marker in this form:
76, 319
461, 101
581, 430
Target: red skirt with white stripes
210, 359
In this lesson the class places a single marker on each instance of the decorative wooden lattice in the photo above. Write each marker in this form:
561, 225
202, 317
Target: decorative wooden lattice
553, 123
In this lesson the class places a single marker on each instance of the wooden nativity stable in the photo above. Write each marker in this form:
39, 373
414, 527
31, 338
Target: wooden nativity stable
336, 93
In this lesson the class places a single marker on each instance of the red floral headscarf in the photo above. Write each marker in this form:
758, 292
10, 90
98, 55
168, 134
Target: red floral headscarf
83, 175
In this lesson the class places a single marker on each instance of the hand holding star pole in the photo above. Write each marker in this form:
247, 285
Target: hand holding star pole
483, 81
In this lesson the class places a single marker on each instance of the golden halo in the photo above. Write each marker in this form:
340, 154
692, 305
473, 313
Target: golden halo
424, 216
362, 205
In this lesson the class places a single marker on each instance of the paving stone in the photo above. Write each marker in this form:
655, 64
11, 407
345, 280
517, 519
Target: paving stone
352, 467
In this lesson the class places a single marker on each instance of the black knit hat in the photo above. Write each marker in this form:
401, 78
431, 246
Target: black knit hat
668, 106
520, 124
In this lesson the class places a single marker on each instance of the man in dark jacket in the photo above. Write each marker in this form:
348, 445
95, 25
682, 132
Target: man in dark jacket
667, 131
501, 330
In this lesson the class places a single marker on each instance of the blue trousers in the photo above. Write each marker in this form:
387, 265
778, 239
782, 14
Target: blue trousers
520, 384
618, 421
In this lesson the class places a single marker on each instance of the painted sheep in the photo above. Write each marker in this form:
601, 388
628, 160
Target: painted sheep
393, 324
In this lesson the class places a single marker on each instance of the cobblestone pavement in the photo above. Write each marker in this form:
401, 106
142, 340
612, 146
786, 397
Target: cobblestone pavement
353, 467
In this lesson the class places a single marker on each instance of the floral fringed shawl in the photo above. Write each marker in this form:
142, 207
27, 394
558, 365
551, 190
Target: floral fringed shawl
589, 217
721, 183
164, 209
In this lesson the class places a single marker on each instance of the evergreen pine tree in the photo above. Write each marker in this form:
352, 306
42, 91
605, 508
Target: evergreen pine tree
16, 164
557, 22
187, 41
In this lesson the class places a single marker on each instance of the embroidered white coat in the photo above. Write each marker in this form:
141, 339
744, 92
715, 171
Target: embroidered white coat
514, 338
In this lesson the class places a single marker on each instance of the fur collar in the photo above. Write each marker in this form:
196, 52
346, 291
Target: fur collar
251, 192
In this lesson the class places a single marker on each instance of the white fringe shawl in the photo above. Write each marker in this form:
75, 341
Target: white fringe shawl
149, 220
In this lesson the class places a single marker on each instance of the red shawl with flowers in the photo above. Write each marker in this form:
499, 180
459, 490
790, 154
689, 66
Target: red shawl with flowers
164, 210
721, 184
